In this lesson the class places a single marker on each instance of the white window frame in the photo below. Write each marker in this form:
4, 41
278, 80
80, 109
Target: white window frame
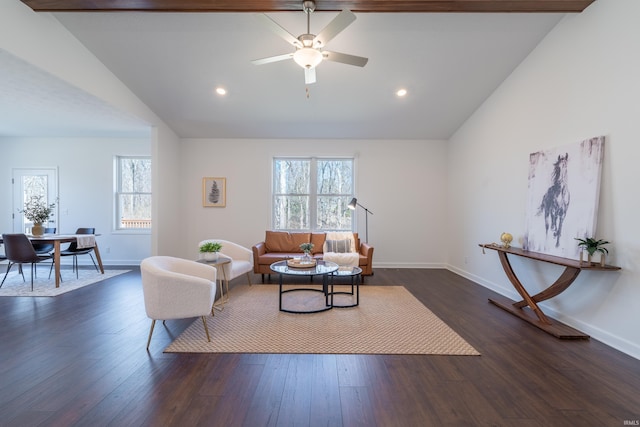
313, 191
117, 223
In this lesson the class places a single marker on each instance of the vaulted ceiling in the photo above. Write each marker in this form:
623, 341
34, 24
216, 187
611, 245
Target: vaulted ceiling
448, 62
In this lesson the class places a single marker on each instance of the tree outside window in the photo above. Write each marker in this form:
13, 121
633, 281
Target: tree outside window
133, 193
312, 194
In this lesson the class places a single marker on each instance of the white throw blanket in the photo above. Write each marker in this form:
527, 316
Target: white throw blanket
341, 235
85, 241
351, 259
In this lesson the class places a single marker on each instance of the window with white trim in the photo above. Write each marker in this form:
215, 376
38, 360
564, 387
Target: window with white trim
312, 194
133, 193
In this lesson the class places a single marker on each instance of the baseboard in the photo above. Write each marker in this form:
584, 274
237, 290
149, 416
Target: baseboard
613, 341
408, 265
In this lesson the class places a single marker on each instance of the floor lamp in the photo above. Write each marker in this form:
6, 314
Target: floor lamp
352, 205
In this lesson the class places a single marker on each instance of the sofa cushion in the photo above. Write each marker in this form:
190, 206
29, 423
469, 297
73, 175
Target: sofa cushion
283, 241
318, 242
338, 246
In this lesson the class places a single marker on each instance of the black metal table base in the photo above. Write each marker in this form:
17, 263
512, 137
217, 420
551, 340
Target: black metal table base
356, 285
329, 295
325, 290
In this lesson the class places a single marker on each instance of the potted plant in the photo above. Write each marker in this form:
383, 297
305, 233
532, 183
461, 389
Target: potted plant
306, 248
591, 245
38, 212
210, 250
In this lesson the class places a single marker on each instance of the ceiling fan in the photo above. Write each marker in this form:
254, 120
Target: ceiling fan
309, 53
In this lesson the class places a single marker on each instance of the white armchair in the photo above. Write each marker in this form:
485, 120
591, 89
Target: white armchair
176, 288
241, 260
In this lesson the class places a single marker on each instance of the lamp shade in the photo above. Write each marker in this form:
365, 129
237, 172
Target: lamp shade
307, 57
352, 204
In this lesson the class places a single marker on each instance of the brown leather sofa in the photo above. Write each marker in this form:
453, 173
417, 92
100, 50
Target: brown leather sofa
281, 245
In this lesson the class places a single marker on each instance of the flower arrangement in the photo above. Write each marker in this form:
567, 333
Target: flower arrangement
210, 247
306, 247
37, 211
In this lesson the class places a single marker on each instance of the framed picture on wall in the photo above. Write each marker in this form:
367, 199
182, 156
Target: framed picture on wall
562, 203
214, 192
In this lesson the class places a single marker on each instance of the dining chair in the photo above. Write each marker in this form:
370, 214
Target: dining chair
3, 257
45, 248
73, 250
19, 250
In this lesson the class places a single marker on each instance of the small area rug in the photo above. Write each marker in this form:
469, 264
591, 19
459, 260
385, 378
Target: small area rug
389, 320
14, 286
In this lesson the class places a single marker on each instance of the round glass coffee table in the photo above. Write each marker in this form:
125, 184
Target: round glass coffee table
322, 268
355, 275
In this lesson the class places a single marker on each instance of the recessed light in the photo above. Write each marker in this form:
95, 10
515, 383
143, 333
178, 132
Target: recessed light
401, 92
221, 91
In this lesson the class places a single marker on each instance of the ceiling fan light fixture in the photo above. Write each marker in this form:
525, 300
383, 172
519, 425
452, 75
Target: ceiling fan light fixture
307, 57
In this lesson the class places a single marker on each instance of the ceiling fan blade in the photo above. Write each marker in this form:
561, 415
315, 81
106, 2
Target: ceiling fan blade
310, 75
277, 29
339, 23
272, 59
358, 61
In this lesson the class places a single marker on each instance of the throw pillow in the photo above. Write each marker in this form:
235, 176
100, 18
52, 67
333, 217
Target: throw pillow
340, 246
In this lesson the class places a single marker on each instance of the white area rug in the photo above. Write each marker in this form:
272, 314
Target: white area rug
389, 320
14, 286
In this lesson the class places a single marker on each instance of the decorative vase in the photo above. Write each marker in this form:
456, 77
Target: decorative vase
306, 258
211, 256
602, 260
37, 229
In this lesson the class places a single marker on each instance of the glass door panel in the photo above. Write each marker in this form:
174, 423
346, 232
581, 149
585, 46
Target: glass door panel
29, 183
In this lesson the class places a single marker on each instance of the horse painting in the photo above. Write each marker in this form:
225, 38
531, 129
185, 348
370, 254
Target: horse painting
555, 202
563, 186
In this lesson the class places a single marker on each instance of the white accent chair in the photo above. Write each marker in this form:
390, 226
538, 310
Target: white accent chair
176, 288
241, 260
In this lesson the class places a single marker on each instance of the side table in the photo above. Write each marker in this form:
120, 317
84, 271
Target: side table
355, 274
219, 265
571, 270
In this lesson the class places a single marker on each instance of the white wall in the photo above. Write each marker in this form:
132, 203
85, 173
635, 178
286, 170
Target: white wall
401, 182
39, 39
581, 81
85, 181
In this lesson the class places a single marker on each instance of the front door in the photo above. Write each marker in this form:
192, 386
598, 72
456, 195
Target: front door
28, 183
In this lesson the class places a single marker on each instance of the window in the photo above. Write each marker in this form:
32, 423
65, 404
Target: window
133, 193
312, 194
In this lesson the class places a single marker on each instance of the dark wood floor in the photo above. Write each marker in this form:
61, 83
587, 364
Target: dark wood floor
80, 359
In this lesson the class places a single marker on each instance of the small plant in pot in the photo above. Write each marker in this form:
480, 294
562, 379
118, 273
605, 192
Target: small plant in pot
210, 250
38, 212
591, 245
306, 248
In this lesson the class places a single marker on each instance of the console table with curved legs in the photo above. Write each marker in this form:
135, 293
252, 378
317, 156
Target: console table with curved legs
572, 270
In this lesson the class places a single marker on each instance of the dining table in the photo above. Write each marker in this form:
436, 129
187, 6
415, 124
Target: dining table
57, 239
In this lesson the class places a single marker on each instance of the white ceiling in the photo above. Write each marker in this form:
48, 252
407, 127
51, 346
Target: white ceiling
449, 63
34, 103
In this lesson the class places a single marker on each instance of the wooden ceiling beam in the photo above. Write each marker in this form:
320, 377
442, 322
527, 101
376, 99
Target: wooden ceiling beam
380, 6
